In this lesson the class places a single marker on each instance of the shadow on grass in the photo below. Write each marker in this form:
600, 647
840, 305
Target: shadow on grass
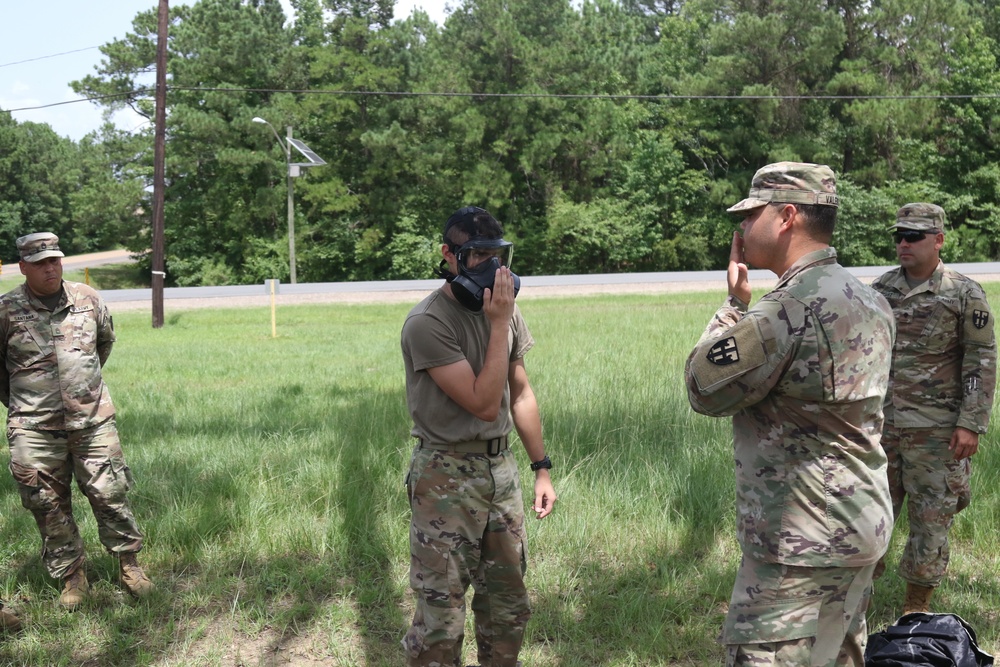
193, 509
666, 606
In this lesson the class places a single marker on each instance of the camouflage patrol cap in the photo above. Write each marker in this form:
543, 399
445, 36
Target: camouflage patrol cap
920, 217
38, 246
790, 183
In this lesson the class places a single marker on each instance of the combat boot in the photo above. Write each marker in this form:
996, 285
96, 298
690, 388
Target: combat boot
9, 622
918, 599
76, 589
133, 578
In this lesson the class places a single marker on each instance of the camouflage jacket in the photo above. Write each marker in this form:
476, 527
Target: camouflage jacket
50, 378
944, 365
803, 373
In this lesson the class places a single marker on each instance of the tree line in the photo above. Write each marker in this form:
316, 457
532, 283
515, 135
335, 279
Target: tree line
607, 136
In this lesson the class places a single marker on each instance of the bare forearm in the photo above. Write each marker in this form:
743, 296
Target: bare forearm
528, 422
491, 381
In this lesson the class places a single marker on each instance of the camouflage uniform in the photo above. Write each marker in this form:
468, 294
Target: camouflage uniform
467, 525
60, 420
803, 374
943, 377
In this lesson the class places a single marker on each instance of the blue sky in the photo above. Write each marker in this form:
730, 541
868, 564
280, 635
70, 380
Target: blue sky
31, 30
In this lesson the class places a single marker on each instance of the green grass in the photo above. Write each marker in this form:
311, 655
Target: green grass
269, 481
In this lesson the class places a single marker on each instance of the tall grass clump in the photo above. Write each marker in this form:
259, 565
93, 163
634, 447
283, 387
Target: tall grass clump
269, 482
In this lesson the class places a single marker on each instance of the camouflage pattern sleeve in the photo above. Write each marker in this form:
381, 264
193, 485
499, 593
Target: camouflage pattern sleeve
979, 360
4, 375
105, 331
738, 359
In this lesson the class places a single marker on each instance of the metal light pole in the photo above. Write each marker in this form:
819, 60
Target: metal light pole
287, 147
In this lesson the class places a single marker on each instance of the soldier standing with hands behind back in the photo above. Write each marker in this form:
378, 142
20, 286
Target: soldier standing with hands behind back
54, 339
803, 374
940, 393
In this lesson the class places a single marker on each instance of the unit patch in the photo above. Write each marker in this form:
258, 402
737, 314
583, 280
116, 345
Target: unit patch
731, 357
980, 318
724, 352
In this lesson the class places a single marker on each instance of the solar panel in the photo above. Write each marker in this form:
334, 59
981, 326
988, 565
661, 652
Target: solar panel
314, 160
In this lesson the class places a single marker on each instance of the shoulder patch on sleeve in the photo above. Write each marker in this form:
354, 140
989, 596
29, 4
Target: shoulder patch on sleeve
729, 357
978, 322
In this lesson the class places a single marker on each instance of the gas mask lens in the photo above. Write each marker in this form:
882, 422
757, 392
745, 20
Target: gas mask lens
476, 254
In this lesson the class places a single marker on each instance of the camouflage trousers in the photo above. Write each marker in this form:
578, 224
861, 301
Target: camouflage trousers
43, 464
935, 487
467, 529
797, 616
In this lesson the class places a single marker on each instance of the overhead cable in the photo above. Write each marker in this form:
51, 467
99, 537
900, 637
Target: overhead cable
570, 96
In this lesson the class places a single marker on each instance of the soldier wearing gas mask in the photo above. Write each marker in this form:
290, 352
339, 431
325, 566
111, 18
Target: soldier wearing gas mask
466, 389
478, 257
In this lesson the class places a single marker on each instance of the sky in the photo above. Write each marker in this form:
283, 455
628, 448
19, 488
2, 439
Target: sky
34, 30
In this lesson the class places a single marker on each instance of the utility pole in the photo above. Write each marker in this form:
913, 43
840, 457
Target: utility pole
159, 148
291, 205
293, 171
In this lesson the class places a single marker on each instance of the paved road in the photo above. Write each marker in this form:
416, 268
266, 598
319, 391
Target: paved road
411, 291
79, 261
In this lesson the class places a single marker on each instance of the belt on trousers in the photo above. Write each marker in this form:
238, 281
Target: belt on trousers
488, 447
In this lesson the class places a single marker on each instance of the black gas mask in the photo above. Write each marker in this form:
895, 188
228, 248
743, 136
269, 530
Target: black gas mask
478, 261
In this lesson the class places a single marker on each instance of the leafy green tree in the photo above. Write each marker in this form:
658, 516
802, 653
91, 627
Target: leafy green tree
222, 187
109, 203
37, 178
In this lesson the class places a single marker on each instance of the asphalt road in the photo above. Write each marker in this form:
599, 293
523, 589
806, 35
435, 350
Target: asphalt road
79, 261
411, 291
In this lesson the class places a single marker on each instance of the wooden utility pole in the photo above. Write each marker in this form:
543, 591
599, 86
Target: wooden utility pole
159, 121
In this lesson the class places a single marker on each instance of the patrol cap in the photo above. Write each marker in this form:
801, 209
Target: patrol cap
790, 183
38, 246
920, 217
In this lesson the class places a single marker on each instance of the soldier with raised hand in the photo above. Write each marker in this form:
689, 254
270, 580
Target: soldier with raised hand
55, 337
940, 393
803, 374
466, 388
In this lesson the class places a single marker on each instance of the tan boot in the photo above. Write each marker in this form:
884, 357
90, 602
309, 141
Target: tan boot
918, 598
133, 578
9, 622
76, 589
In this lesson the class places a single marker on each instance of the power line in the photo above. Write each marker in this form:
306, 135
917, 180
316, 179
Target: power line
569, 96
587, 96
54, 55
96, 98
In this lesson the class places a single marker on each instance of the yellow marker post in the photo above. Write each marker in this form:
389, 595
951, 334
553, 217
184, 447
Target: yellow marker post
86, 275
272, 289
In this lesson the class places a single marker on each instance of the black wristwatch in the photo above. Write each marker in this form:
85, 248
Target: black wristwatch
544, 463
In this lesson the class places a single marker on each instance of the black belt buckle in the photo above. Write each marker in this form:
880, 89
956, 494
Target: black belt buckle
493, 446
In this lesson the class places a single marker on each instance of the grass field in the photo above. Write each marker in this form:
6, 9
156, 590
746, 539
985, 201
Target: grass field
269, 481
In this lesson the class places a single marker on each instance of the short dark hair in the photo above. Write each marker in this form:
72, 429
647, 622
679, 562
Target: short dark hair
820, 220
474, 222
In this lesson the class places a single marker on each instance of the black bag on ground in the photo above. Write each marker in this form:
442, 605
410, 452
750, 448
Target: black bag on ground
926, 640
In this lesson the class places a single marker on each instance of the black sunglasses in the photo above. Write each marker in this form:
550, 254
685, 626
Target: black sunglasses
909, 236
